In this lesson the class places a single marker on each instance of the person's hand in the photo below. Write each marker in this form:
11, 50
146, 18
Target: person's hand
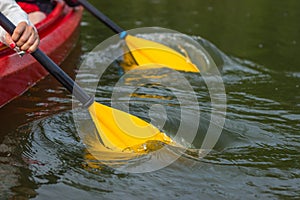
25, 37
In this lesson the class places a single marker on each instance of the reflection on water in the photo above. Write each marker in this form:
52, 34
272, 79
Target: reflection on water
255, 158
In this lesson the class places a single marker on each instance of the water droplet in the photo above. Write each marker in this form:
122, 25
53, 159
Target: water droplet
138, 23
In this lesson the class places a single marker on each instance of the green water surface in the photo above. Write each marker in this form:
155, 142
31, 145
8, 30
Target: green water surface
256, 45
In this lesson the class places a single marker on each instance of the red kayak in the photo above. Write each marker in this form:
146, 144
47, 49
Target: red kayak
58, 35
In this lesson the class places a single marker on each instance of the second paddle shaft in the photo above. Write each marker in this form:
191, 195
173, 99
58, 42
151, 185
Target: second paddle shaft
99, 15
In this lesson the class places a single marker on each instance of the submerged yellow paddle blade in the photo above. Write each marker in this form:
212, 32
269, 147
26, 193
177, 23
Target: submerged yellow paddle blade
121, 131
147, 52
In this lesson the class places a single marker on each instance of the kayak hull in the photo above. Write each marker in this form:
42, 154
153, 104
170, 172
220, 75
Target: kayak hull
58, 35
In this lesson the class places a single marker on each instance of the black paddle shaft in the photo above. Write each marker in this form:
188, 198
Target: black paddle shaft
52, 68
99, 15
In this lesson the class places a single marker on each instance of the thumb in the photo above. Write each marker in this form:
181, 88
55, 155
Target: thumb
9, 41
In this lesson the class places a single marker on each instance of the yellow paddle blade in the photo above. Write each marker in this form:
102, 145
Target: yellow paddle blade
147, 52
121, 131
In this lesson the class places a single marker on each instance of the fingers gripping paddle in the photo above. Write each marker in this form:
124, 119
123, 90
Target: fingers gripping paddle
118, 130
145, 52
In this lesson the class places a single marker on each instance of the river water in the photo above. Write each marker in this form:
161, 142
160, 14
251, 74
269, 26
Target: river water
255, 44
